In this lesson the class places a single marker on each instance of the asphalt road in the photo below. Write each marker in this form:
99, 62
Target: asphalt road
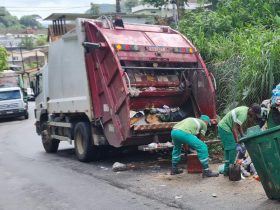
32, 179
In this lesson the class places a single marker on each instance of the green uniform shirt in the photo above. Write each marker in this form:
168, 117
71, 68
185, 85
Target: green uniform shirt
237, 115
192, 126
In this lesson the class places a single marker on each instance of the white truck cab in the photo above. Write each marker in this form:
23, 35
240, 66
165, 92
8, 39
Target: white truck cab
41, 95
12, 103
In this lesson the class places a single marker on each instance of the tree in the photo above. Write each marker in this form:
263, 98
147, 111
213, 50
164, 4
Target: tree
30, 21
159, 3
41, 40
128, 4
27, 42
94, 9
3, 58
8, 21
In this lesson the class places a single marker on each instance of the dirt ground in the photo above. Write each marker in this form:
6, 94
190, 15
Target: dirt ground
190, 191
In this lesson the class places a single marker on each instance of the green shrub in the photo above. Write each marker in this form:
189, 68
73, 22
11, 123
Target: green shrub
240, 42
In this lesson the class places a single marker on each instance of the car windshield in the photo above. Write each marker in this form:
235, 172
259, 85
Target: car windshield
8, 95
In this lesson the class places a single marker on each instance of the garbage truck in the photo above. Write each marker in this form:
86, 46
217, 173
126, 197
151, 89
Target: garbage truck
121, 86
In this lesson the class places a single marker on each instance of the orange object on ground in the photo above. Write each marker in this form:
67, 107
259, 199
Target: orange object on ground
257, 178
193, 164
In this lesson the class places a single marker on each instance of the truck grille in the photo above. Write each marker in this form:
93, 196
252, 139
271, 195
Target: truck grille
9, 106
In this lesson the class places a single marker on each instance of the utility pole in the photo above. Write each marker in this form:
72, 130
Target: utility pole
118, 6
37, 61
12, 53
22, 61
174, 11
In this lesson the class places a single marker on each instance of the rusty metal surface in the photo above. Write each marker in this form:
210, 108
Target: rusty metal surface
154, 127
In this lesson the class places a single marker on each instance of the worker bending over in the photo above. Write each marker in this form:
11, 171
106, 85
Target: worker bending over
231, 126
185, 132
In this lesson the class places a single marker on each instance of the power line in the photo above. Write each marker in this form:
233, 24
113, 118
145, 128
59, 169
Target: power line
45, 10
47, 7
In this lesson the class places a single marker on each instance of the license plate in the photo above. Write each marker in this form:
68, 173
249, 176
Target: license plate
9, 112
157, 49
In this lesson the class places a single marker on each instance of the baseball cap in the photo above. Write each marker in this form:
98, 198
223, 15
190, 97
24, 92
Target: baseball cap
205, 118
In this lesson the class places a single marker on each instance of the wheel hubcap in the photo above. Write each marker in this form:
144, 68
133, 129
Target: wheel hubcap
79, 143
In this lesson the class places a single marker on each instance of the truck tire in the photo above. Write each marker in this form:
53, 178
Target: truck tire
84, 149
50, 145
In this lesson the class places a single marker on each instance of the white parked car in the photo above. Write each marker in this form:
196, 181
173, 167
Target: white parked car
30, 94
12, 103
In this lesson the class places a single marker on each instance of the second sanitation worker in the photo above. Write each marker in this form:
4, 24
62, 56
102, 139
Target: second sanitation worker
185, 133
229, 128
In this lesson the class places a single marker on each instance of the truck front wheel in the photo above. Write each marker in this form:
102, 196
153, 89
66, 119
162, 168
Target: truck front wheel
50, 145
83, 142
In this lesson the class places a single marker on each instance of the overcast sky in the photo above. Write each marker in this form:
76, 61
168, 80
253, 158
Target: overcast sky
45, 7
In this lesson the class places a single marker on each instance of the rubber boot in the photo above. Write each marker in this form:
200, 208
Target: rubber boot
209, 173
175, 170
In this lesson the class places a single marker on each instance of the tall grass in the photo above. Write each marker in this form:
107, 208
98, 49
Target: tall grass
243, 51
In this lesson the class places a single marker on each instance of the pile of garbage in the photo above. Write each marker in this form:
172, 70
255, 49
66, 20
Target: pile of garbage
275, 99
157, 115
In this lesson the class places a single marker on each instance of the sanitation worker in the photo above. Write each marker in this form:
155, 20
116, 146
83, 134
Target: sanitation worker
229, 128
185, 132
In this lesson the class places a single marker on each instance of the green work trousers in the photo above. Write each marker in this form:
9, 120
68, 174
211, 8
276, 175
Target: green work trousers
179, 138
229, 144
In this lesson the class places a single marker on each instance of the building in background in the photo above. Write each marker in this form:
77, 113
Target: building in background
163, 11
30, 59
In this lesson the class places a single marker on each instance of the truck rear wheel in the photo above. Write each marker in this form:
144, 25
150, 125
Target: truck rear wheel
84, 149
50, 145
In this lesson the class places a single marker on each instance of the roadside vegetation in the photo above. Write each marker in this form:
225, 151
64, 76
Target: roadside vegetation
3, 58
240, 42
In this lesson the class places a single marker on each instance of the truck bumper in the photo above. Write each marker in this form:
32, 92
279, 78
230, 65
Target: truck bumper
12, 113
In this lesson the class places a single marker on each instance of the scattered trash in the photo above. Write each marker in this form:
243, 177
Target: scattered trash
275, 99
221, 168
214, 195
178, 197
244, 172
119, 167
152, 119
135, 116
104, 168
134, 92
162, 185
132, 113
153, 145
151, 89
256, 177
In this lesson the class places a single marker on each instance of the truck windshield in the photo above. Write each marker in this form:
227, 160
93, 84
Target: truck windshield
8, 95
